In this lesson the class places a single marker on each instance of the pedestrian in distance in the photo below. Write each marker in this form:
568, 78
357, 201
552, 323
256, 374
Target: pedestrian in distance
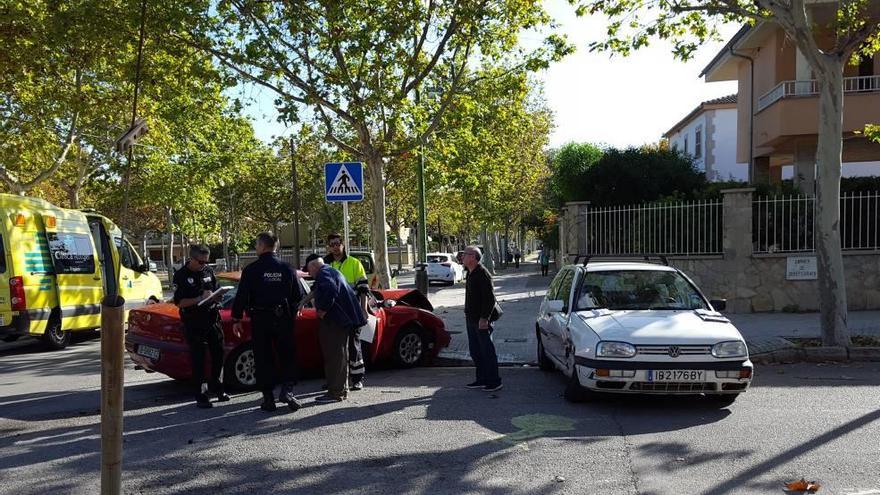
270, 292
517, 254
544, 261
479, 304
194, 283
337, 307
353, 271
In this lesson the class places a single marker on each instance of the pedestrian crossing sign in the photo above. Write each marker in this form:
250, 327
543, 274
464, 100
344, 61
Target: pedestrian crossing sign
344, 181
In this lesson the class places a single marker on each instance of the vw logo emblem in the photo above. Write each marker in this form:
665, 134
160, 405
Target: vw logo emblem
674, 351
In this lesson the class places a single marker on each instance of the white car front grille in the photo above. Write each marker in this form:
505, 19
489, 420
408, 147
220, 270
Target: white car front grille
674, 350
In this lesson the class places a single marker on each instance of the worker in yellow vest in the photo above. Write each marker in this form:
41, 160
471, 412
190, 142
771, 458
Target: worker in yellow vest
354, 273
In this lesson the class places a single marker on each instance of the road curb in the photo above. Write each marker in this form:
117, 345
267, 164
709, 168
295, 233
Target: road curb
817, 355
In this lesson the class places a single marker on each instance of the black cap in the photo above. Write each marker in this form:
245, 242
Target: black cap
309, 259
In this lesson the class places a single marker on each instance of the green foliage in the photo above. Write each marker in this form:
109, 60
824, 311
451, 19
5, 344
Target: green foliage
872, 132
630, 176
358, 67
488, 162
570, 164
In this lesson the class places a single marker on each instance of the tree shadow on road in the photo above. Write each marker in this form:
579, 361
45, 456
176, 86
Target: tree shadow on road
171, 447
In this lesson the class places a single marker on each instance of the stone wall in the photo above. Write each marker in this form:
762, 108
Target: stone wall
750, 282
759, 284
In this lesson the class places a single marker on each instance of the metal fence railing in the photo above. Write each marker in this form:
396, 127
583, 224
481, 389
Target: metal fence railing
678, 228
787, 224
810, 87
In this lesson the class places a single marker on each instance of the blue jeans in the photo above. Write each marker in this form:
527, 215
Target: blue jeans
483, 353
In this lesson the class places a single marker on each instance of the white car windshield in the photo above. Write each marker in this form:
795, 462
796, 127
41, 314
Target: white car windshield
638, 289
438, 259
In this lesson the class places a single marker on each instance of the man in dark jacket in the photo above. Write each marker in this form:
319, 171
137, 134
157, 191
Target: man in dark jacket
270, 291
193, 285
340, 313
353, 271
479, 301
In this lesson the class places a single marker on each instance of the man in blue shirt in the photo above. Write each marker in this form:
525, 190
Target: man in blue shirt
340, 315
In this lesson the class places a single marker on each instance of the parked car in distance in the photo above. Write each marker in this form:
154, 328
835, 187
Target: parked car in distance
639, 328
407, 334
442, 267
366, 258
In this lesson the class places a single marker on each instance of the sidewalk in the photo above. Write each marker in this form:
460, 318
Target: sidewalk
520, 292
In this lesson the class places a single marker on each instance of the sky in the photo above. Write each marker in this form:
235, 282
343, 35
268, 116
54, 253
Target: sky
594, 97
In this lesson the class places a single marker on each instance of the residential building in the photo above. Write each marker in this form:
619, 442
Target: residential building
708, 135
777, 108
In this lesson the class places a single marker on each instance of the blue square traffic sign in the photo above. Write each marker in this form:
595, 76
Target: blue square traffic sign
344, 181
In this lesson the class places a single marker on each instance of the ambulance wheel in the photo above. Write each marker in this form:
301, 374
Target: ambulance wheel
55, 338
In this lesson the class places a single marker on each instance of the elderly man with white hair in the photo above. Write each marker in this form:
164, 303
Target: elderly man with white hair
479, 304
340, 314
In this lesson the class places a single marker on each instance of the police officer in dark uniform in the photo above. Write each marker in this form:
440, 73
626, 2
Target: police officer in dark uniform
270, 292
193, 284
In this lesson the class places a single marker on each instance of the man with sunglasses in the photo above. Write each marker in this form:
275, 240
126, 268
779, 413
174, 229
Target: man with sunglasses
193, 285
353, 272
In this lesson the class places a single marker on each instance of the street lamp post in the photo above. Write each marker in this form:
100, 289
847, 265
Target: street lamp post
421, 262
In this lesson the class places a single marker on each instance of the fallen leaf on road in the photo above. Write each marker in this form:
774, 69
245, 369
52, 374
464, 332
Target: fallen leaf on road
559, 479
679, 459
803, 485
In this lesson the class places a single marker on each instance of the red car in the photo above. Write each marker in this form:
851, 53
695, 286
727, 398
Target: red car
407, 334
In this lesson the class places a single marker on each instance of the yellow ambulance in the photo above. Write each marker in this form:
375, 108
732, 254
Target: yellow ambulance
56, 265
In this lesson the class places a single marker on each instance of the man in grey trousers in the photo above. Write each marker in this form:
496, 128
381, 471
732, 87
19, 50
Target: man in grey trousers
340, 314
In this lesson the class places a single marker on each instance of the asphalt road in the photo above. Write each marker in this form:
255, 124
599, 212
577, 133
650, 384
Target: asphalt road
422, 432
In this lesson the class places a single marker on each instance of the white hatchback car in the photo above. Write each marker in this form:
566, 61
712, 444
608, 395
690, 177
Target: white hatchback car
442, 267
643, 328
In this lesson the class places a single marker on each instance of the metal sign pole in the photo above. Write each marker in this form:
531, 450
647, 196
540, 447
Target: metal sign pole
345, 224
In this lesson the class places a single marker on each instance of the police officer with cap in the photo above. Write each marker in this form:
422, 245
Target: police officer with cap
270, 292
199, 312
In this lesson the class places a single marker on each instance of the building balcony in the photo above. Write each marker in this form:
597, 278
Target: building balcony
789, 89
791, 109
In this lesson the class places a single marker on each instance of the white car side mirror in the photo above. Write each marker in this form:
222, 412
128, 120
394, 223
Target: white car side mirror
555, 306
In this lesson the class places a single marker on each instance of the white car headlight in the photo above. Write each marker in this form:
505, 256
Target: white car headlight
615, 349
733, 348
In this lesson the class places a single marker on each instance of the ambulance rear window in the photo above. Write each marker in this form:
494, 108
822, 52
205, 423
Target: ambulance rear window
72, 252
2, 256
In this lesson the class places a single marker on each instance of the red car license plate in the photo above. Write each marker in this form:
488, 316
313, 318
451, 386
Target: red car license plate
148, 351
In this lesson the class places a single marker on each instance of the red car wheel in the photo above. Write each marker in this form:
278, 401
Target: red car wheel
410, 347
240, 371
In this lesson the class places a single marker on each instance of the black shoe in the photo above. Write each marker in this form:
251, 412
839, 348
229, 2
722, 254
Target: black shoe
222, 397
286, 393
324, 387
358, 385
203, 402
493, 388
475, 385
327, 399
293, 404
268, 404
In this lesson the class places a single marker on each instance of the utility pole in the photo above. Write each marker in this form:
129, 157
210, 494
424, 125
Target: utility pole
296, 208
422, 234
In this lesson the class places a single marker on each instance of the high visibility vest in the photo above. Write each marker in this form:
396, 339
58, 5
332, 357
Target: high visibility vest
351, 268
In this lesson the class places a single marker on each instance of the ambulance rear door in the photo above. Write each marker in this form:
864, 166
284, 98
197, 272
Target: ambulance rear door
78, 277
